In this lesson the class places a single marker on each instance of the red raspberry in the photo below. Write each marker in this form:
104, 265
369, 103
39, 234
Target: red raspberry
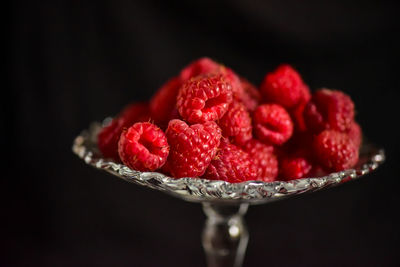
335, 151
191, 148
264, 158
107, 139
198, 67
143, 147
298, 116
162, 104
295, 159
355, 134
329, 109
136, 112
297, 112
284, 86
204, 98
231, 164
236, 123
294, 168
272, 124
251, 96
206, 65
234, 80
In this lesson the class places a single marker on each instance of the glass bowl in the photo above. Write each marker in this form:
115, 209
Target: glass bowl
225, 235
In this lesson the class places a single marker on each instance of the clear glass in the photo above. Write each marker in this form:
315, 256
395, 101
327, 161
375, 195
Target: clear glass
225, 235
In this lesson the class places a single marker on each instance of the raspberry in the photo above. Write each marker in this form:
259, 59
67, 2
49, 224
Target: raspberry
204, 98
272, 124
284, 86
231, 164
206, 65
295, 159
335, 151
251, 96
294, 168
136, 112
329, 109
297, 114
107, 139
236, 123
143, 147
191, 147
198, 67
162, 104
234, 80
264, 158
306, 95
355, 134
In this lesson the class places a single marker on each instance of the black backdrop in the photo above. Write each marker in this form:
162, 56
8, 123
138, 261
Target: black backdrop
73, 62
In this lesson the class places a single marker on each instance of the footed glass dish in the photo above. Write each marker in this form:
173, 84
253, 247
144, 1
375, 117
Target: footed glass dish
225, 235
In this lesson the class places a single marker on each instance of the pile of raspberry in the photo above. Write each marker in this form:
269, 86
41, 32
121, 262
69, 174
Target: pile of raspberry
209, 122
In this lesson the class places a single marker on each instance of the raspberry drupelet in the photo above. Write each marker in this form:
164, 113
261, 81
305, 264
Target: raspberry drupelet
204, 98
143, 147
191, 147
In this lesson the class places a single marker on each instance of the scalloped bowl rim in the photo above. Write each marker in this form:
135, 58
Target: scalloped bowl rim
204, 190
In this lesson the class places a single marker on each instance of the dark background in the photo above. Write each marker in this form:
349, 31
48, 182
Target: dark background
74, 62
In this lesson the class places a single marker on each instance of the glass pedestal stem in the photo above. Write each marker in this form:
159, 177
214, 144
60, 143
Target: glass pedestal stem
225, 234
